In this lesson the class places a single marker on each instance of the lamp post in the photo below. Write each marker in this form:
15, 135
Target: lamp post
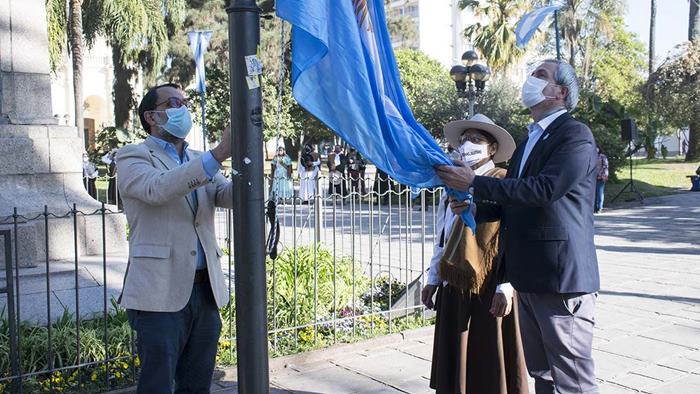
470, 79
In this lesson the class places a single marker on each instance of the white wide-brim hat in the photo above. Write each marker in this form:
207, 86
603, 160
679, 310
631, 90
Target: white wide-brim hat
506, 144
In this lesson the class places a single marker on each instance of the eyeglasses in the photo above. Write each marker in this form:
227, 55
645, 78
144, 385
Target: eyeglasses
475, 139
175, 102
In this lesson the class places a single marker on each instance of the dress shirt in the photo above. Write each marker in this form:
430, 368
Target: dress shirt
534, 133
211, 166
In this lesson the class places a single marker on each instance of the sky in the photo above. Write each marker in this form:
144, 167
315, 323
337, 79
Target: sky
671, 23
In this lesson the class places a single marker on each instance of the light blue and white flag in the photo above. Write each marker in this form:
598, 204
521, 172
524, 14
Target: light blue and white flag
345, 74
528, 24
199, 41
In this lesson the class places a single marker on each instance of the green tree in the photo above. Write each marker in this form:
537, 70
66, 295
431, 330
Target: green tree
65, 31
429, 90
57, 25
137, 31
199, 15
617, 67
496, 39
603, 118
674, 92
583, 25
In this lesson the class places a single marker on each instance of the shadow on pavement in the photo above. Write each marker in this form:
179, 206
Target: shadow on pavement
652, 296
669, 219
634, 249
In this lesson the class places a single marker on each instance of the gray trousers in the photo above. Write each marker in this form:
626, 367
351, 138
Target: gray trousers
557, 332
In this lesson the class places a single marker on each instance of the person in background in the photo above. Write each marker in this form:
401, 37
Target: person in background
112, 192
282, 187
477, 345
309, 166
337, 162
90, 174
356, 170
601, 179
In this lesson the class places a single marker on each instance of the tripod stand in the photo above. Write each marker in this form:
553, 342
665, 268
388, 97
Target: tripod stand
630, 184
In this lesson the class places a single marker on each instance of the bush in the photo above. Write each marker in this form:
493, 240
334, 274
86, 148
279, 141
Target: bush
33, 349
317, 285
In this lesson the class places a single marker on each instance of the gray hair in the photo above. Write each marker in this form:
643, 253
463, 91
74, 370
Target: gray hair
566, 76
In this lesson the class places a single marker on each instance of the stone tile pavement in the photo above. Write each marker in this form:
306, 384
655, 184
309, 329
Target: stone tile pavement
648, 318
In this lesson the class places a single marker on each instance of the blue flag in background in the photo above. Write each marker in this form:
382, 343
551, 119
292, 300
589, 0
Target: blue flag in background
528, 24
199, 41
345, 74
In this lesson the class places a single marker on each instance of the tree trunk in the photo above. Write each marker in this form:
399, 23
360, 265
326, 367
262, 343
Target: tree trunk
694, 21
652, 36
651, 130
694, 127
572, 52
76, 49
693, 141
123, 93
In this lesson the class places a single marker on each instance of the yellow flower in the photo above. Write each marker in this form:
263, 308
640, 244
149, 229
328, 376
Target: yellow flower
137, 362
118, 375
93, 376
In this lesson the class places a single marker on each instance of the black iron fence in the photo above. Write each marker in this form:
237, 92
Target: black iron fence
349, 266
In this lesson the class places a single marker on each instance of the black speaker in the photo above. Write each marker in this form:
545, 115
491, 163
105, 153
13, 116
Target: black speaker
628, 130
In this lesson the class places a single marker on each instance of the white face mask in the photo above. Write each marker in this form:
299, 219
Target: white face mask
532, 91
473, 153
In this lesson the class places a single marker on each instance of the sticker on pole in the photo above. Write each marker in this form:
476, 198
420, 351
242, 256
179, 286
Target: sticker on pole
252, 82
253, 65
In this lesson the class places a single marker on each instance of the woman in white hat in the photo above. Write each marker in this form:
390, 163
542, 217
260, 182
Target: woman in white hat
477, 346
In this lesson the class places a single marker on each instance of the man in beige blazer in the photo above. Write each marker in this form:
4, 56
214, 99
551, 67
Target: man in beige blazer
174, 285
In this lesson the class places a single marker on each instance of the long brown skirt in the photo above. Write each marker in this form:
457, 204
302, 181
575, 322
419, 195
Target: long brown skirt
473, 352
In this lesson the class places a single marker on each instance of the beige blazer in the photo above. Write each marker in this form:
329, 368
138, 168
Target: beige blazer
163, 227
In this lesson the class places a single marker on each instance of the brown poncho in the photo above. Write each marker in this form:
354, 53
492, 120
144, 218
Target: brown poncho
467, 258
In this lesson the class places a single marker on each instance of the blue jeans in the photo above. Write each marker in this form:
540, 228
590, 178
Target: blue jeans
178, 349
599, 194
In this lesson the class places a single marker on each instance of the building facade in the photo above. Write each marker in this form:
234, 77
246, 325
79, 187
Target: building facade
438, 28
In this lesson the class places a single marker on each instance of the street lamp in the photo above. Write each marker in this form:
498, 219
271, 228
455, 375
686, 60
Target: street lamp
470, 78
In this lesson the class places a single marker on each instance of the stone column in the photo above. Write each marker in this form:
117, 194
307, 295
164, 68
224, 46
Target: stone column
40, 161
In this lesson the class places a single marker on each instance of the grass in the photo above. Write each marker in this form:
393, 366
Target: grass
655, 177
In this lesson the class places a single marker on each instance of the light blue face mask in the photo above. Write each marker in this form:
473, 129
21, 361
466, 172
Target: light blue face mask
179, 122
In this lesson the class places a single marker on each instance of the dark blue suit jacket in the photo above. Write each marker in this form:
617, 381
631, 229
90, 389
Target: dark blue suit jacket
546, 236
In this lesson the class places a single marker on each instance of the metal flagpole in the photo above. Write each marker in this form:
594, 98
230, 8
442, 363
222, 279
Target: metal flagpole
204, 122
199, 40
248, 196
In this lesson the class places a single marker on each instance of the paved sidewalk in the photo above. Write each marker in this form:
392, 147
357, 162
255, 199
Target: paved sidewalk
648, 318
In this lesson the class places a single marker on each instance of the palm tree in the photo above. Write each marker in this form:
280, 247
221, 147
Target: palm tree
76, 50
137, 31
652, 36
65, 31
571, 24
587, 21
496, 40
694, 21
693, 127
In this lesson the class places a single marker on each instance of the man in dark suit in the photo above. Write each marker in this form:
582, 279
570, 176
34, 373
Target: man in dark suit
547, 251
